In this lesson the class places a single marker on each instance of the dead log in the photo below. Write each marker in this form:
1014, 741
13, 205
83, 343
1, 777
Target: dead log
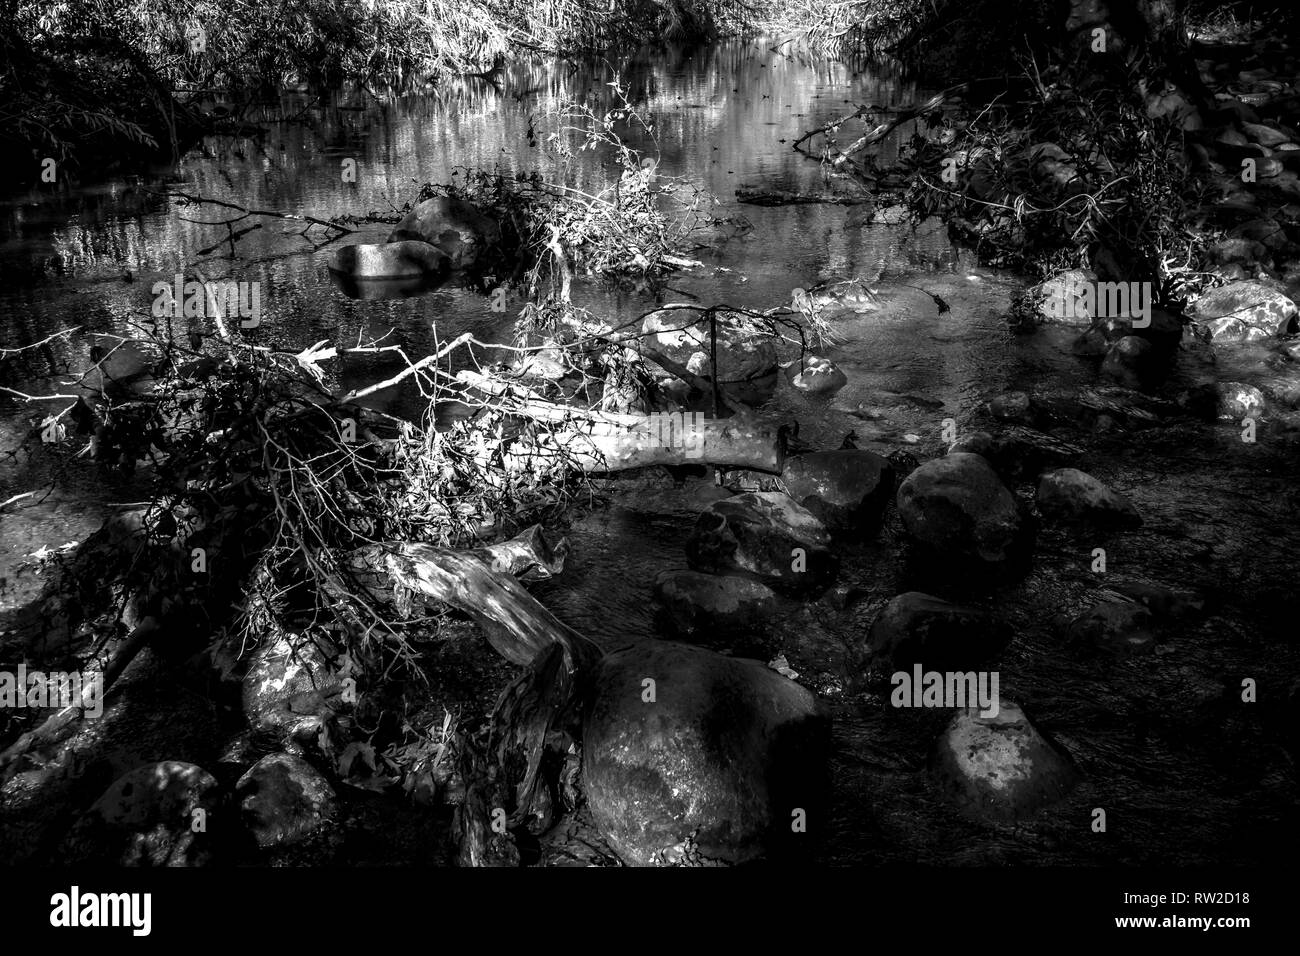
782, 197
596, 441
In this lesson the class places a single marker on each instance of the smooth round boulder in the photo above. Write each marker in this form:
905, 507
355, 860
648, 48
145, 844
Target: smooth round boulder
767, 535
459, 229
1071, 495
816, 376
711, 603
957, 509
1000, 768
161, 814
390, 260
681, 742
283, 800
747, 359
916, 628
847, 489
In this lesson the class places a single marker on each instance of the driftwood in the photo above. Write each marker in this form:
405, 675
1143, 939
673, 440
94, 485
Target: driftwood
597, 441
537, 713
781, 197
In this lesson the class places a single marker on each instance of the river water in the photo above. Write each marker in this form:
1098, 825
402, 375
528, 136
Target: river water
1189, 773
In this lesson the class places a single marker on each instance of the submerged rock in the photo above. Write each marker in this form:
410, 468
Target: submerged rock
1068, 494
1120, 627
765, 534
718, 749
747, 360
917, 628
712, 603
848, 489
459, 229
283, 800
957, 509
1001, 768
162, 814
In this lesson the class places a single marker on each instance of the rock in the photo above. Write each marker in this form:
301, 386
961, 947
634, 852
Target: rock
1162, 602
391, 260
728, 750
289, 678
818, 376
147, 818
846, 489
1236, 250
712, 603
1121, 627
1130, 360
974, 443
917, 628
1064, 298
1238, 401
283, 800
1247, 305
1164, 330
747, 358
458, 228
1000, 768
1012, 407
765, 534
1264, 233
1264, 135
1070, 495
958, 511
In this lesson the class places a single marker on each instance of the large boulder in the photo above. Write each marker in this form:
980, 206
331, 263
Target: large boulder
767, 535
391, 260
283, 800
917, 628
1000, 768
460, 229
957, 510
1245, 311
847, 489
1071, 495
721, 750
711, 603
747, 359
162, 814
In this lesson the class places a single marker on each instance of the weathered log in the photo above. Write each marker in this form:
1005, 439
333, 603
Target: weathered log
596, 441
782, 197
515, 624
